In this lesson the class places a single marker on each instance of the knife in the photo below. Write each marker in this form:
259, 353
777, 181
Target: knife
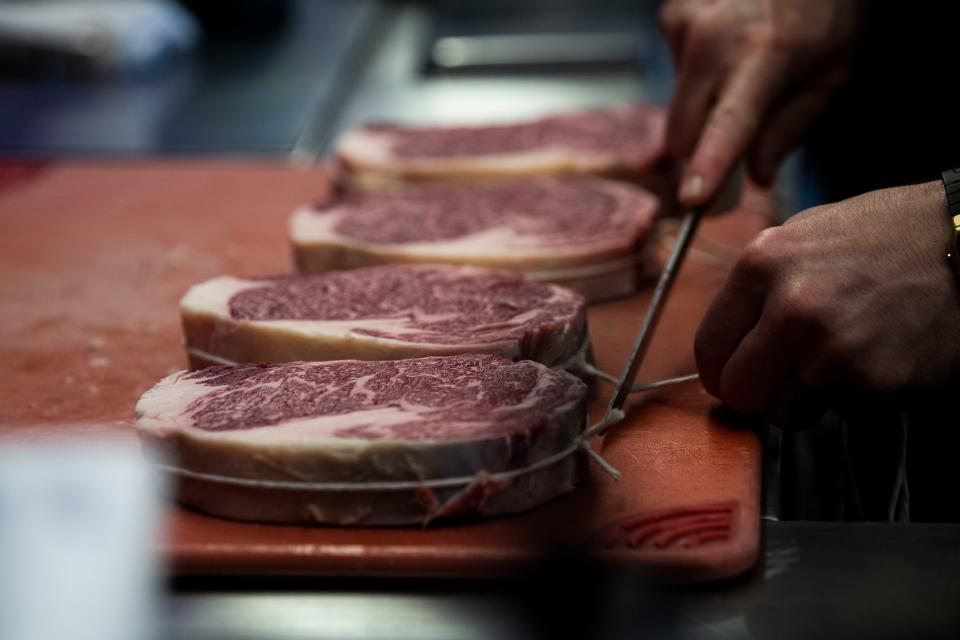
728, 197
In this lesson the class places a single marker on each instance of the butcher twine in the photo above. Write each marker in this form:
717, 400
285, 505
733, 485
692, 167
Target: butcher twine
610, 418
578, 363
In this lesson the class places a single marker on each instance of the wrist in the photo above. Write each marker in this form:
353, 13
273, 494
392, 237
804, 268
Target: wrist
922, 226
950, 207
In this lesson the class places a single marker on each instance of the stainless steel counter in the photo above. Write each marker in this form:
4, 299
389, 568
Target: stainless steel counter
819, 580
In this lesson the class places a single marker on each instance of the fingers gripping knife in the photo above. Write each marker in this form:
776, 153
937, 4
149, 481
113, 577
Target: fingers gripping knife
727, 198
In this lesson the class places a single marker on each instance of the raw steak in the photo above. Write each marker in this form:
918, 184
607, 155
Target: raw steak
621, 141
355, 442
585, 233
382, 313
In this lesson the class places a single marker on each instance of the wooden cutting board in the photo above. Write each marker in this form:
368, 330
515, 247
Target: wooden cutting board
95, 255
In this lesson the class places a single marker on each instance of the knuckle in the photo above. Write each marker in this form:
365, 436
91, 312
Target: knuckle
704, 27
802, 308
759, 258
807, 216
735, 118
729, 130
726, 112
669, 18
768, 39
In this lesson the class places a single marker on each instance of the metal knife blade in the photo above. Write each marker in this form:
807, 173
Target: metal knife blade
727, 198
688, 228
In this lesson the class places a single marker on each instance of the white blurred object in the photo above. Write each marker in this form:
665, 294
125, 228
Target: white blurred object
116, 35
78, 532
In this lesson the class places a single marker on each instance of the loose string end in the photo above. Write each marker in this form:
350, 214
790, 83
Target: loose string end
606, 466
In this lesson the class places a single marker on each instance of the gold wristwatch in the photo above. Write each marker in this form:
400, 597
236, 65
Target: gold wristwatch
951, 183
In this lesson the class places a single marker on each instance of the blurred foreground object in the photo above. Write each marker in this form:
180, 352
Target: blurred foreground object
470, 36
78, 526
104, 35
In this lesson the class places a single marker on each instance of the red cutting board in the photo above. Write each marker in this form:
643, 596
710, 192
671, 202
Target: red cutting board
95, 255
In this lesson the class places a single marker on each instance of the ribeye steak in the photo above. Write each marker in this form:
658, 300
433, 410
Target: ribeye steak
620, 141
382, 313
327, 442
589, 234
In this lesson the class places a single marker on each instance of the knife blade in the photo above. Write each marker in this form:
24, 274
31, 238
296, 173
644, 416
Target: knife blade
728, 196
668, 276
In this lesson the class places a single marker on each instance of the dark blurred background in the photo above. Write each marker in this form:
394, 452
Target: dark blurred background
256, 77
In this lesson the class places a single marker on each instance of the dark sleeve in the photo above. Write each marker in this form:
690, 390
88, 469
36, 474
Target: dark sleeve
896, 122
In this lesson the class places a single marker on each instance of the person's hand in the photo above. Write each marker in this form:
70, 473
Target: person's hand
853, 300
751, 77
